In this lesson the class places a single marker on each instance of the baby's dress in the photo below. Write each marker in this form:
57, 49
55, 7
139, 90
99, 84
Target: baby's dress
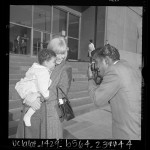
36, 82
37, 79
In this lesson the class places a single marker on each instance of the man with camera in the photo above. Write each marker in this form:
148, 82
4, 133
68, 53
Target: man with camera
121, 88
95, 71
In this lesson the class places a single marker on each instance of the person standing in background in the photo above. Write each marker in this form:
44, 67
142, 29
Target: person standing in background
17, 44
23, 46
90, 49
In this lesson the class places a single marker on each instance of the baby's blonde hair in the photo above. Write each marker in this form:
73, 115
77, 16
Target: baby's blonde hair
58, 45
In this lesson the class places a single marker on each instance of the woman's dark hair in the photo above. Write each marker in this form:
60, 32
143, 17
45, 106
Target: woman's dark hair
109, 51
45, 55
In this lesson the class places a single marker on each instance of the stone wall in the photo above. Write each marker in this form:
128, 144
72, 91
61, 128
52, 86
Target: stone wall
124, 31
87, 31
133, 58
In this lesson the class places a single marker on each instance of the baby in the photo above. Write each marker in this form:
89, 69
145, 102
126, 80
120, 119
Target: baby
37, 81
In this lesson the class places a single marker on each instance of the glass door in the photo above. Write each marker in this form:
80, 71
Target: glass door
73, 37
59, 22
19, 39
46, 39
36, 42
73, 49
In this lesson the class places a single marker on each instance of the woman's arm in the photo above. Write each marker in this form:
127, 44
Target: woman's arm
65, 80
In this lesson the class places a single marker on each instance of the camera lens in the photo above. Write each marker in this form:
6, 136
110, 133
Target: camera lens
92, 66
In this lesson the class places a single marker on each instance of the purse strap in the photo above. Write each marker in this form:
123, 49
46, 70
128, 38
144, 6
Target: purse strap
62, 92
57, 94
57, 87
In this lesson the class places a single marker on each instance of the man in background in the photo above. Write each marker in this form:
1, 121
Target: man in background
90, 49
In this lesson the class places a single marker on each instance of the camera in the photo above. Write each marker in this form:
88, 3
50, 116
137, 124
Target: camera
96, 76
93, 68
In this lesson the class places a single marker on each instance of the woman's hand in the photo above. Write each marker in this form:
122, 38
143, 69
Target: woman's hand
35, 104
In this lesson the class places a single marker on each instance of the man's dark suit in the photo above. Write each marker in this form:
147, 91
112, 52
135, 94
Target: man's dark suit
121, 87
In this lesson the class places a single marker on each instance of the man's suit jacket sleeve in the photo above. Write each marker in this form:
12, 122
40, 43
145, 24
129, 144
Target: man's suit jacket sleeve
106, 90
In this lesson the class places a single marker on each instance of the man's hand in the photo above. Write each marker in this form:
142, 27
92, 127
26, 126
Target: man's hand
35, 105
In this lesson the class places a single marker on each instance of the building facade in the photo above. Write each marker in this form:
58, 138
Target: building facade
32, 26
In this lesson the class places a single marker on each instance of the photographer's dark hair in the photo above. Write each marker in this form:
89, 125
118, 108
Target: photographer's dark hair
91, 40
95, 51
109, 51
45, 55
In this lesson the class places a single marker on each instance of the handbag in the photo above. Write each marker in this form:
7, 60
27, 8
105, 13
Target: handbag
65, 110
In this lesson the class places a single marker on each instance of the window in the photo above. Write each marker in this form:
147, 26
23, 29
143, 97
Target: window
73, 37
46, 39
42, 18
21, 14
19, 39
36, 42
73, 29
73, 49
59, 22
38, 19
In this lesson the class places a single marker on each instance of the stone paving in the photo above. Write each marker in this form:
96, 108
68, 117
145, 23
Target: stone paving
96, 124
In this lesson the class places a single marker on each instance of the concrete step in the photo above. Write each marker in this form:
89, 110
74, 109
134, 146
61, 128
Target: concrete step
18, 69
18, 64
14, 114
13, 104
25, 66
75, 77
77, 98
21, 70
23, 59
75, 102
77, 105
77, 110
13, 95
82, 66
79, 86
84, 109
76, 86
12, 131
80, 101
13, 136
78, 94
73, 93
